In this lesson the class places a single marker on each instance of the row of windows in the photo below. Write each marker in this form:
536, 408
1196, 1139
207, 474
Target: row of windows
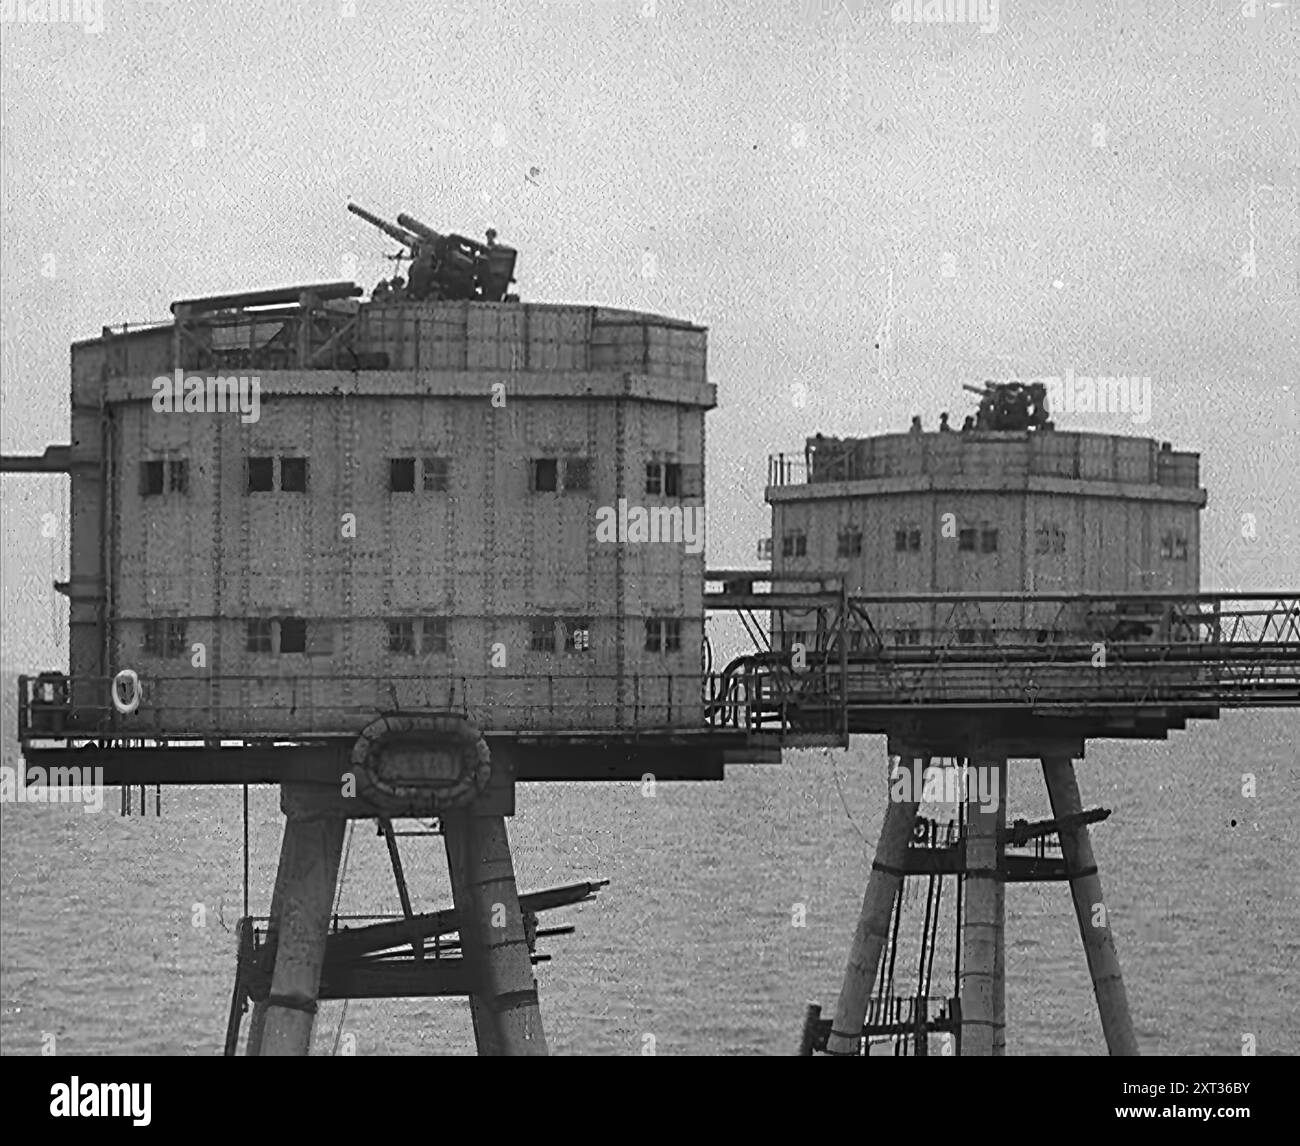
987, 538
795, 543
1173, 546
1047, 539
430, 474
165, 637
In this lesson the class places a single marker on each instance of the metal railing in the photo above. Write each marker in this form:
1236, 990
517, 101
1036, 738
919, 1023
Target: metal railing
204, 707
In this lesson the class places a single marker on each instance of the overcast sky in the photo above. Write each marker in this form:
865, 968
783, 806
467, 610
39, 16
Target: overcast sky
1072, 190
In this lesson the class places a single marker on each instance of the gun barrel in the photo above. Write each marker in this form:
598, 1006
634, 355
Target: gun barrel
415, 226
402, 236
983, 391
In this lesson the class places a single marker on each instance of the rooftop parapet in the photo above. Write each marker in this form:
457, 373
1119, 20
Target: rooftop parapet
1080, 456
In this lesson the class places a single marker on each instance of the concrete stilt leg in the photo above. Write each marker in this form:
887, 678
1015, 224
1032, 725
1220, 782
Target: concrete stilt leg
877, 905
309, 863
507, 1020
1094, 927
982, 986
257, 1020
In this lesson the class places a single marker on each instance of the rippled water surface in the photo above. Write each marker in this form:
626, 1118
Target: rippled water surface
693, 942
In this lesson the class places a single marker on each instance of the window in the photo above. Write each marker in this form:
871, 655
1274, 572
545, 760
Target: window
401, 475
261, 634
174, 638
178, 475
577, 474
1173, 546
577, 634
966, 540
164, 637
544, 475
900, 540
293, 475
401, 637
914, 540
1049, 539
258, 635
436, 473
542, 637
672, 636
850, 543
151, 478
989, 541
794, 545
663, 634
672, 479
293, 635
664, 478
433, 635
974, 636
261, 478
907, 635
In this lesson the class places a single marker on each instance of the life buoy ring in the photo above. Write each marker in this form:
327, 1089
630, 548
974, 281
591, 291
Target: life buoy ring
122, 706
402, 759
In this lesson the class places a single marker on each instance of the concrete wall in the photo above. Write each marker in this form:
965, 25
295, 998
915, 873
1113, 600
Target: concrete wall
1099, 532
488, 554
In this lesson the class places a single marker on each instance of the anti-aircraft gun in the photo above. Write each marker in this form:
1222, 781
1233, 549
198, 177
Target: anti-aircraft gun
1011, 406
447, 266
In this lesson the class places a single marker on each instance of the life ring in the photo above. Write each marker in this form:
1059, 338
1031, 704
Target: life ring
400, 759
122, 706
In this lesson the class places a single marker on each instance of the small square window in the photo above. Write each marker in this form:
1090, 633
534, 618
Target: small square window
174, 643
577, 474
900, 540
966, 540
293, 635
258, 636
433, 635
293, 475
401, 475
436, 473
178, 475
401, 637
541, 639
654, 635
261, 475
989, 541
850, 543
672, 636
545, 475
653, 477
153, 638
151, 479
672, 480
577, 634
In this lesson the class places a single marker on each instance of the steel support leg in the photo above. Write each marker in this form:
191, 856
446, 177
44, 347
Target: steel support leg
309, 867
983, 986
257, 1020
507, 1020
877, 906
1089, 908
